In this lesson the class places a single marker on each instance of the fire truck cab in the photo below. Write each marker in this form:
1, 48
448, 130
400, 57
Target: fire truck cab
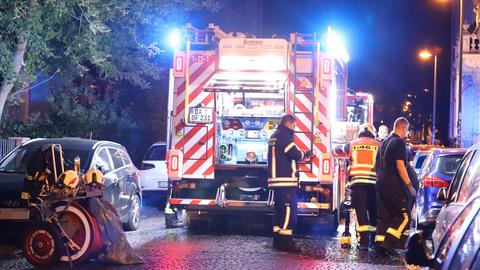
227, 96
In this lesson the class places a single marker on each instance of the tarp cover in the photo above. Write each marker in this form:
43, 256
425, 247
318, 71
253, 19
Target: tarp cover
117, 248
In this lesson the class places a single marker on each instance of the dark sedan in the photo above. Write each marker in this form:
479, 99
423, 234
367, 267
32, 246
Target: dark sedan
122, 187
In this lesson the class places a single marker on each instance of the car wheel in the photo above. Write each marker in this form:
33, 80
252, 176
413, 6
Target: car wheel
134, 215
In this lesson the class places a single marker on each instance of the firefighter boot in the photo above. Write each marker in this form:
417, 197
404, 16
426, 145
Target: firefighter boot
171, 219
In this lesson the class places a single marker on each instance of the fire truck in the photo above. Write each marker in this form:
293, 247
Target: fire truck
227, 95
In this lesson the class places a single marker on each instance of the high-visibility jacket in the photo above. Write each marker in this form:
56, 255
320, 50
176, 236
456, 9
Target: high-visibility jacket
283, 155
362, 156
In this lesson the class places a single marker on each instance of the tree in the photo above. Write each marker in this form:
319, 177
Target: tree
69, 38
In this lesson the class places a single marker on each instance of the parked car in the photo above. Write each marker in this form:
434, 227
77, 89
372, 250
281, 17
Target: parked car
465, 183
458, 248
419, 159
153, 170
122, 187
437, 172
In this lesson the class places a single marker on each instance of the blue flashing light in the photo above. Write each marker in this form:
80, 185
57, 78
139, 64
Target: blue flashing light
174, 39
336, 46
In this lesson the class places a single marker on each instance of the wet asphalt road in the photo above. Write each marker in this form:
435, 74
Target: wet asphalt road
235, 248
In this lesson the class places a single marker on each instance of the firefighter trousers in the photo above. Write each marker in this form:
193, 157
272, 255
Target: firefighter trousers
364, 201
285, 212
393, 216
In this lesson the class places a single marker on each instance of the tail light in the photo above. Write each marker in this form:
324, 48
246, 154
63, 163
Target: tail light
146, 166
432, 181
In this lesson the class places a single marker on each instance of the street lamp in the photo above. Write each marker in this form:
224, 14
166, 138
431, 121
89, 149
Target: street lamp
425, 54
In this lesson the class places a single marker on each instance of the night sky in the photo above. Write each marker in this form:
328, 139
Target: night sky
383, 39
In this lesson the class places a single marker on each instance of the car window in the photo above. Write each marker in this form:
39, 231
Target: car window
467, 249
102, 161
117, 157
426, 164
468, 181
448, 164
454, 231
156, 152
420, 161
457, 179
17, 160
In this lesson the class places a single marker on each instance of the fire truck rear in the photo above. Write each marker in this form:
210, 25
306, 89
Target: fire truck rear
227, 95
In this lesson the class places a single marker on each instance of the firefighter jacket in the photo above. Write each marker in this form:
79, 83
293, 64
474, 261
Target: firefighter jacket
362, 152
283, 155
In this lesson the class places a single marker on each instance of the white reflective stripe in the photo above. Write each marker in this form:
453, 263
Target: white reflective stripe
204, 202
294, 169
362, 181
286, 184
274, 163
287, 218
282, 179
370, 166
292, 144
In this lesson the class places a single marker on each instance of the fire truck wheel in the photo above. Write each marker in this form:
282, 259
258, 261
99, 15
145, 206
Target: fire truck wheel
43, 244
77, 224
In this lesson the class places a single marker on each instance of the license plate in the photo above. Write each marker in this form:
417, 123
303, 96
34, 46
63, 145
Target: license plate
253, 134
200, 115
162, 184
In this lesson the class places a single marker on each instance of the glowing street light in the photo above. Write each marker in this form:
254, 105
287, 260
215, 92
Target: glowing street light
425, 54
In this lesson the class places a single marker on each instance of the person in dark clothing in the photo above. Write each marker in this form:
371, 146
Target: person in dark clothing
283, 155
392, 186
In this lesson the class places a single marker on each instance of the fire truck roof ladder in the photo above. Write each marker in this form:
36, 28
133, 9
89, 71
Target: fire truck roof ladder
304, 61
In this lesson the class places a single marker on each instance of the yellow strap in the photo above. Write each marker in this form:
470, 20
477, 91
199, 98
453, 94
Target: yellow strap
372, 228
398, 232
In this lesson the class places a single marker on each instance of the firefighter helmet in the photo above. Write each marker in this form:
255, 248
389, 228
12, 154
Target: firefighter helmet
367, 127
94, 176
69, 179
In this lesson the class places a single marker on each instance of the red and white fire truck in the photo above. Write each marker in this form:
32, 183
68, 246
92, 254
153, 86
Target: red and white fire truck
227, 95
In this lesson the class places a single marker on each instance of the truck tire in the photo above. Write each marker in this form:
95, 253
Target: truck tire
43, 244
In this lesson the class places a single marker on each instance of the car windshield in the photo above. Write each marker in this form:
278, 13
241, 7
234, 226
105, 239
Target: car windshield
420, 161
17, 161
448, 164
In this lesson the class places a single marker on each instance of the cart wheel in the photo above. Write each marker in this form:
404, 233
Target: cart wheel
43, 244
77, 224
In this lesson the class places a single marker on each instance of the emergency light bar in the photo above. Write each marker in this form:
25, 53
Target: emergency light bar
246, 81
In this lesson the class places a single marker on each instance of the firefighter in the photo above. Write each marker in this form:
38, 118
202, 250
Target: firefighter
283, 155
393, 187
362, 178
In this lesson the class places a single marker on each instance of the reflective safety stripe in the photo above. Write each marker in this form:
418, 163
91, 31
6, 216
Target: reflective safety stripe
398, 232
285, 232
292, 144
364, 228
362, 181
276, 229
372, 228
287, 218
274, 163
363, 166
379, 238
25, 195
361, 172
294, 169
282, 185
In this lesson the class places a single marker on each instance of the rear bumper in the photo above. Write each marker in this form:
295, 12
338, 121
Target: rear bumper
306, 209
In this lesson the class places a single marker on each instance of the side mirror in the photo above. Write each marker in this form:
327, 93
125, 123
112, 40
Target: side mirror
416, 250
442, 195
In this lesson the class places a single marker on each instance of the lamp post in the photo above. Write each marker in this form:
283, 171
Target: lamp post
458, 93
427, 55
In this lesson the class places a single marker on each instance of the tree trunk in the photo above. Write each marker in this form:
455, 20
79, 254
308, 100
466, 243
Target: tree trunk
7, 86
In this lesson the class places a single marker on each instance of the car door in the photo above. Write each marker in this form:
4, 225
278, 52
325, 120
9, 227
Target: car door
122, 177
103, 162
458, 194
